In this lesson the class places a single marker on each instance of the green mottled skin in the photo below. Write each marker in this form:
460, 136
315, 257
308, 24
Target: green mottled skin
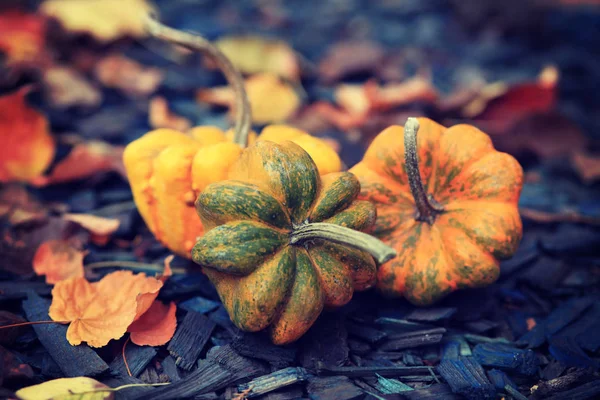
250, 220
222, 202
359, 216
298, 175
237, 247
342, 190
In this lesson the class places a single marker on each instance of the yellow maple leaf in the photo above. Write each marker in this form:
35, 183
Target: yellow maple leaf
106, 20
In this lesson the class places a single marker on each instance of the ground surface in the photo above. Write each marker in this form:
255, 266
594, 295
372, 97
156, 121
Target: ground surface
538, 325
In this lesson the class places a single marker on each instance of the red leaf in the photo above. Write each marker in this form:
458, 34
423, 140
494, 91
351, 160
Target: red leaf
156, 326
27, 147
84, 161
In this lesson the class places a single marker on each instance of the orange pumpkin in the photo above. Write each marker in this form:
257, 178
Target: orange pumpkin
447, 204
167, 169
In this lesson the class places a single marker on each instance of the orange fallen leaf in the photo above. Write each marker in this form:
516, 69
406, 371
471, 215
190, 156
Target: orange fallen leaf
27, 146
156, 326
105, 20
101, 311
119, 72
256, 54
159, 116
22, 36
58, 260
101, 228
271, 99
66, 87
94, 317
125, 283
85, 160
359, 102
415, 89
586, 165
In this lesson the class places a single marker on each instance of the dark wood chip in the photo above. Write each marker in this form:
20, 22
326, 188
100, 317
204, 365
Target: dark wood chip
366, 333
326, 342
190, 338
467, 378
412, 339
506, 357
273, 381
170, 369
73, 360
431, 314
333, 388
222, 367
138, 357
258, 345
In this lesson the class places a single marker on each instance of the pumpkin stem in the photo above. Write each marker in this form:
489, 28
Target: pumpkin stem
346, 236
243, 118
427, 207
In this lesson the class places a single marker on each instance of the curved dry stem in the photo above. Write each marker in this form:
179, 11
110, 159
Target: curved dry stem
346, 236
427, 207
243, 118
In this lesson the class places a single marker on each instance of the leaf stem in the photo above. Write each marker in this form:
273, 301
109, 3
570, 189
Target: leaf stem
243, 119
427, 207
33, 323
342, 235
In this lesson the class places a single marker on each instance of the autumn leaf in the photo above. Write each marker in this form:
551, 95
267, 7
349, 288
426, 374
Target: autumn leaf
101, 228
159, 116
58, 260
132, 78
156, 326
350, 57
65, 87
271, 99
586, 165
256, 54
101, 311
80, 388
94, 317
120, 285
85, 160
501, 106
22, 36
27, 146
105, 20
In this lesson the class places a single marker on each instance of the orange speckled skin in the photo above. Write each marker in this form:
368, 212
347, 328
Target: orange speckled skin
479, 189
167, 169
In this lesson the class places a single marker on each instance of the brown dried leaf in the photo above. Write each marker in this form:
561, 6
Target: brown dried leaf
586, 165
350, 57
119, 72
66, 88
58, 260
159, 116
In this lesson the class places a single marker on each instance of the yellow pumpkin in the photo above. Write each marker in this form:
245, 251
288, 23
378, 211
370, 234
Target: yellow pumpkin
167, 169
